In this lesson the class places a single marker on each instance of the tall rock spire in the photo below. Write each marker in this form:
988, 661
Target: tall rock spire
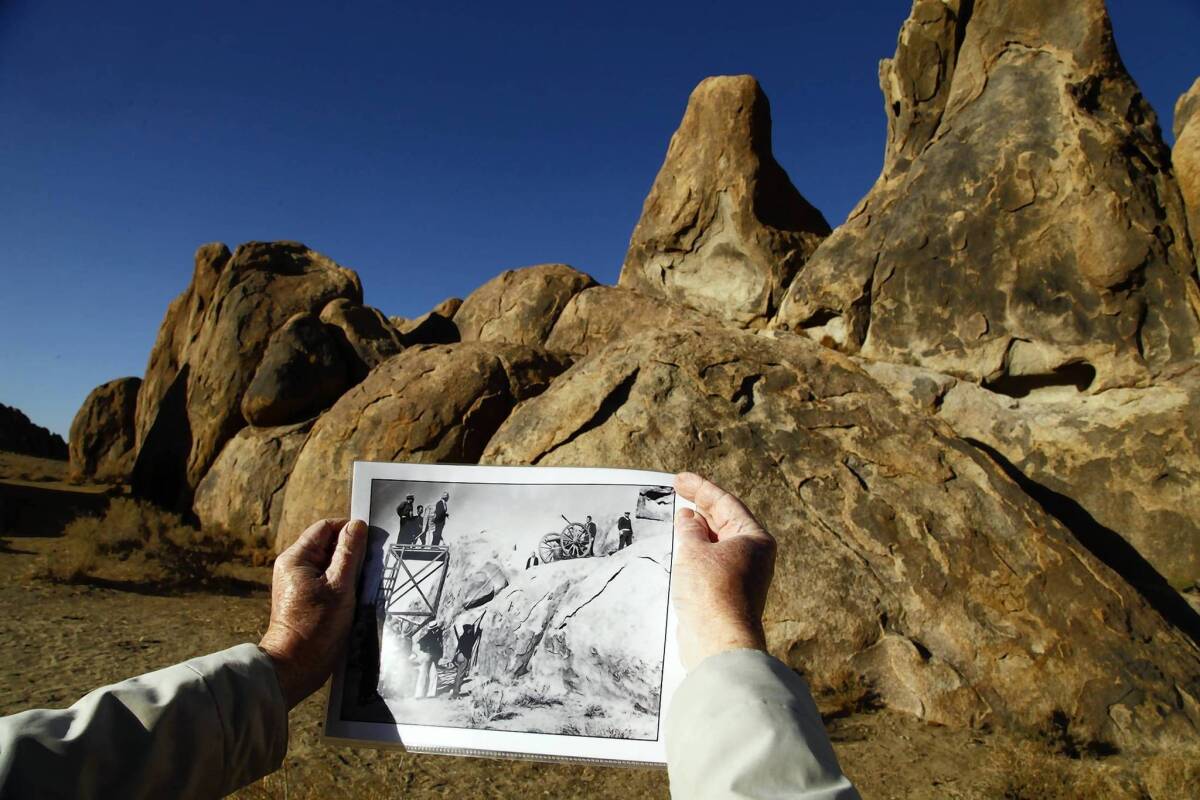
1025, 226
723, 230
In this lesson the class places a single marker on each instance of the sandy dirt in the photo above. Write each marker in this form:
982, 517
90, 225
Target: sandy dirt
57, 642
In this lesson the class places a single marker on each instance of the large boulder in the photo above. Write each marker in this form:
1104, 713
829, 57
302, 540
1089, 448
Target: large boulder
19, 434
429, 404
1119, 465
723, 230
241, 495
103, 434
302, 372
908, 560
259, 287
368, 337
180, 327
604, 314
1026, 224
519, 306
1185, 156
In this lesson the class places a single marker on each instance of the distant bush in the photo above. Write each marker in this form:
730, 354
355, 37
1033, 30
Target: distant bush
158, 546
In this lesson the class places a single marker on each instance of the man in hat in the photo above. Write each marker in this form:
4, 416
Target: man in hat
625, 526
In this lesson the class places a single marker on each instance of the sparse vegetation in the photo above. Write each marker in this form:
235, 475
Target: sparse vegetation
847, 694
593, 711
157, 547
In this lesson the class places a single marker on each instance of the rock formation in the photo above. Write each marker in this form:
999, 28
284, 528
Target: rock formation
1185, 156
241, 495
906, 555
1025, 226
439, 403
1122, 464
209, 348
604, 314
519, 306
18, 434
723, 230
103, 434
302, 372
368, 337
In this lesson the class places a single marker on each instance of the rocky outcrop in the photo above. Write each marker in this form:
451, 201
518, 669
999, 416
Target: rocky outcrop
429, 404
907, 557
1025, 224
604, 314
213, 339
302, 372
367, 336
519, 306
18, 434
1185, 156
180, 327
241, 495
1120, 465
723, 230
104, 432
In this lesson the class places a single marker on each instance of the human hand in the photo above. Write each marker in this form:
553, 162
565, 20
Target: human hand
312, 604
724, 561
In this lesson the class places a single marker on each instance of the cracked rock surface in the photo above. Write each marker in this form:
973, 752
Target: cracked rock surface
519, 306
241, 496
1026, 221
906, 555
103, 432
723, 230
1185, 156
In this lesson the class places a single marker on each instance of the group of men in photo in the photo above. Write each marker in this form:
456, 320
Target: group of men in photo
423, 524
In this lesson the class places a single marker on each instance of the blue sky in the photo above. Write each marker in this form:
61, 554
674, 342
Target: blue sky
428, 146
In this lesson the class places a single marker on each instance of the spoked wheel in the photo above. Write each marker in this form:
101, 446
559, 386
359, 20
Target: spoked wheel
574, 541
550, 548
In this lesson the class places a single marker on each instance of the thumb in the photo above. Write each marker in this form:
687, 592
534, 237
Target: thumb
691, 526
348, 556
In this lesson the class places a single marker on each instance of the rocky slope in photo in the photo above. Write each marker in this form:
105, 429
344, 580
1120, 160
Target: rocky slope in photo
18, 434
969, 413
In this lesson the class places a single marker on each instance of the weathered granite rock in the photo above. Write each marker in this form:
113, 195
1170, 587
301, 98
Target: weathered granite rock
1025, 224
104, 433
430, 404
519, 306
1123, 463
448, 307
241, 495
907, 557
303, 371
19, 434
429, 328
723, 230
604, 314
261, 286
1185, 156
179, 328
368, 337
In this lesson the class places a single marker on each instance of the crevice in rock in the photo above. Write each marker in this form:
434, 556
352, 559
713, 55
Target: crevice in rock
608, 406
1106, 545
1079, 374
579, 608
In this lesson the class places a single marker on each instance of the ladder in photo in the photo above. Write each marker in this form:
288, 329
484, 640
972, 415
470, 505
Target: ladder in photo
412, 583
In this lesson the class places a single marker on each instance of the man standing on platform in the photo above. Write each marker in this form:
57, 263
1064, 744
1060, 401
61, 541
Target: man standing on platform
440, 512
625, 526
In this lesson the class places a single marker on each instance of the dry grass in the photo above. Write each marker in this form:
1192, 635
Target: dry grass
138, 541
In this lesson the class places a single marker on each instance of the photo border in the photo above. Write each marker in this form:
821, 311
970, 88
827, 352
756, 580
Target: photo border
513, 744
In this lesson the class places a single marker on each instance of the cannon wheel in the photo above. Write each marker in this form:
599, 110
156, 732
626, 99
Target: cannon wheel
574, 541
550, 548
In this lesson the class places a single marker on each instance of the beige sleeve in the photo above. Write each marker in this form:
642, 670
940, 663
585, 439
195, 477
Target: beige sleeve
198, 729
742, 725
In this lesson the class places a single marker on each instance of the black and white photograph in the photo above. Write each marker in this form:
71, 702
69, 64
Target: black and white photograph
533, 608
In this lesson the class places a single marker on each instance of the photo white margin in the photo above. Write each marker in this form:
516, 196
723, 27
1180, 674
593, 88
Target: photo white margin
508, 744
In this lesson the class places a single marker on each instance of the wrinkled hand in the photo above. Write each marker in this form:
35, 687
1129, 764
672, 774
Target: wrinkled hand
312, 604
723, 568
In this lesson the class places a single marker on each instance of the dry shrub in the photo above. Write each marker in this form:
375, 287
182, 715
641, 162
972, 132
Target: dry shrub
847, 693
158, 545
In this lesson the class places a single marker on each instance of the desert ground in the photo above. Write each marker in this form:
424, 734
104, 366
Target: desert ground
60, 640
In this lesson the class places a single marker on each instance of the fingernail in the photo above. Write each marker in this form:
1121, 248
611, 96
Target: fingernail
357, 527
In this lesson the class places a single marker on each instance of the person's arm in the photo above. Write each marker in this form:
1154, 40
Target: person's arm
742, 725
210, 725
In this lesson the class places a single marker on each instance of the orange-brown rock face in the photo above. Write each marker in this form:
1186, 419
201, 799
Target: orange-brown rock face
723, 230
519, 306
103, 432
